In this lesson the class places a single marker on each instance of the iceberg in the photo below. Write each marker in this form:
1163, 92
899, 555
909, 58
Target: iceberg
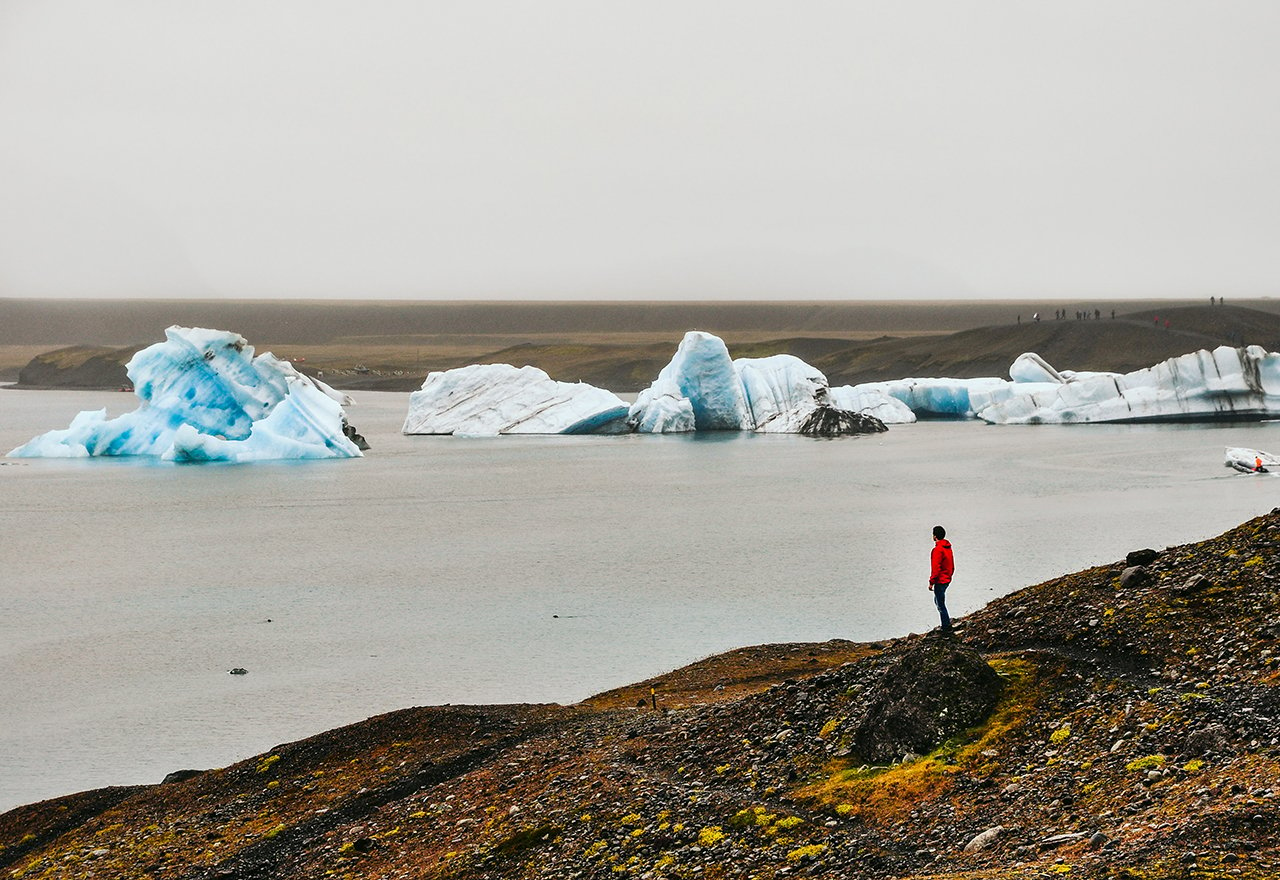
888, 410
781, 391
936, 398
206, 397
788, 396
703, 374
1251, 461
490, 399
1226, 383
661, 409
703, 389
1030, 367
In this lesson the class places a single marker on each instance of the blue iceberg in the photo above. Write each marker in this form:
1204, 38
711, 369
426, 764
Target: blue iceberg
703, 375
205, 397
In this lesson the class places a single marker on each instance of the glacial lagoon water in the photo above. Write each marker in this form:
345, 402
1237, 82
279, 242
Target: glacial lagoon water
518, 569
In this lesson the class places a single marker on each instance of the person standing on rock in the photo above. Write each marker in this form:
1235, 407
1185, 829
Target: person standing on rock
941, 566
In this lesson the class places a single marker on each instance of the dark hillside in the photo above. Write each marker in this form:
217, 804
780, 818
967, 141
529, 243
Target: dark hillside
1126, 343
1121, 722
1129, 342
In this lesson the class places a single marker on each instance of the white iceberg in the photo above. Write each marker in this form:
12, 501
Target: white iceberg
662, 409
1251, 461
206, 397
703, 374
1030, 367
871, 402
782, 391
491, 399
1226, 383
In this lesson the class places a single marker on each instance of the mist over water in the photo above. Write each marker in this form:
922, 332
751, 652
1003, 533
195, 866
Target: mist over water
515, 569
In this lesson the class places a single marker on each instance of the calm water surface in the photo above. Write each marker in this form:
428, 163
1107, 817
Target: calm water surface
442, 570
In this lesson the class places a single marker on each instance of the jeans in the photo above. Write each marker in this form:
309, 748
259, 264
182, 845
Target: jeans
940, 599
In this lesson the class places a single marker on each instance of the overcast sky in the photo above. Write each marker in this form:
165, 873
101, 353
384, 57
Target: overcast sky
601, 150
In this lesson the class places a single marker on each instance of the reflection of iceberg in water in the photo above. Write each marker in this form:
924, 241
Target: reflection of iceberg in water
205, 397
1251, 461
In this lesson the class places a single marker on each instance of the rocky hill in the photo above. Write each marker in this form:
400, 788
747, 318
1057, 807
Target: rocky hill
1118, 722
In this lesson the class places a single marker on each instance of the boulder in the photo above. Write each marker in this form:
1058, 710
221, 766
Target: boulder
1194, 584
1141, 557
828, 421
1212, 738
934, 691
179, 776
983, 839
1133, 576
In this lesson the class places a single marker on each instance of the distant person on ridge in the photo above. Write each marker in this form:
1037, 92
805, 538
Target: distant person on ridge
941, 566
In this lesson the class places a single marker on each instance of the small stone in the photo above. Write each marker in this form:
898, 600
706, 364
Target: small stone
1098, 840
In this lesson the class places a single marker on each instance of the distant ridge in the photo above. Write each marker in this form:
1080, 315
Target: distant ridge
1128, 342
311, 322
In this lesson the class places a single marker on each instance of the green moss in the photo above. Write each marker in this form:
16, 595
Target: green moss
1147, 762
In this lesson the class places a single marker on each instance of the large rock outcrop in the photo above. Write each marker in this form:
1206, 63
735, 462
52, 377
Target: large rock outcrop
936, 690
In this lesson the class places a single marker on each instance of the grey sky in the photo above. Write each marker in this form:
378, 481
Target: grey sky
643, 150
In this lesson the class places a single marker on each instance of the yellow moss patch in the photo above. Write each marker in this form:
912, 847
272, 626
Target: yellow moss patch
266, 763
806, 852
710, 836
1146, 762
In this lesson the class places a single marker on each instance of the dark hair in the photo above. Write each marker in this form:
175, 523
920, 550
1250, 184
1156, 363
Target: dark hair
939, 532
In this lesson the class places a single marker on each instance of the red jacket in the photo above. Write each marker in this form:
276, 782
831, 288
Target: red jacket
943, 564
